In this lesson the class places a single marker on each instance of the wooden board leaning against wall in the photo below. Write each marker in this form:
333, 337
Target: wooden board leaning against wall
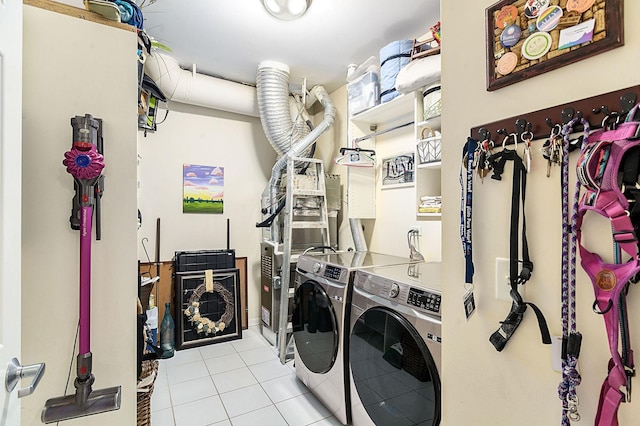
163, 289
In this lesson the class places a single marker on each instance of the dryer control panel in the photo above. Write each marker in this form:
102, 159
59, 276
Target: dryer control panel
424, 299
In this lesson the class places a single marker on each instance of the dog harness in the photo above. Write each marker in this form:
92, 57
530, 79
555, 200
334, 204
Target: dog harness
608, 169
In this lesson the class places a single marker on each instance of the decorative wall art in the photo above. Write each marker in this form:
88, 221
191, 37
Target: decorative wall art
526, 38
203, 189
208, 308
398, 171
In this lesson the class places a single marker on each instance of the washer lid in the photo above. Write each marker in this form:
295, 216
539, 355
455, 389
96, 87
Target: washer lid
426, 275
350, 259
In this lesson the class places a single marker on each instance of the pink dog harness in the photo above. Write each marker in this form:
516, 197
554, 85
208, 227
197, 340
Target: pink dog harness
608, 170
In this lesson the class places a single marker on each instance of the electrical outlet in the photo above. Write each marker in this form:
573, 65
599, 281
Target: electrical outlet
417, 230
503, 286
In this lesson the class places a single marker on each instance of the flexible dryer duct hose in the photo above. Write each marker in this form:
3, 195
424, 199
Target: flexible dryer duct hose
276, 107
288, 138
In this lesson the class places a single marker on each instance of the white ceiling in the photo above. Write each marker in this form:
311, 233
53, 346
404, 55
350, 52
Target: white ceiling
229, 38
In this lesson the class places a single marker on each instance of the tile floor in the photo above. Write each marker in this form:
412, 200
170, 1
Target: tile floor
240, 382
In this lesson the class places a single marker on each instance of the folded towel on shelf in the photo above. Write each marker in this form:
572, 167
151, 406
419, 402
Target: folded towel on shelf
430, 204
431, 197
429, 210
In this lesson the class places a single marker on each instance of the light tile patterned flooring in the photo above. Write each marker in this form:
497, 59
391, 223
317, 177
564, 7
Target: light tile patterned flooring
237, 383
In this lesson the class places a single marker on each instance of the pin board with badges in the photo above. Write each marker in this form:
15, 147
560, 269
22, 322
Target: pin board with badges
526, 38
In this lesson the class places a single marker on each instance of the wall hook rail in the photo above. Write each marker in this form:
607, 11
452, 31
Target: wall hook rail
542, 119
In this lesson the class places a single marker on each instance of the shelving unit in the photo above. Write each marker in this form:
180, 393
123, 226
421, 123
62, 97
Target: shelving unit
428, 175
361, 192
402, 109
387, 112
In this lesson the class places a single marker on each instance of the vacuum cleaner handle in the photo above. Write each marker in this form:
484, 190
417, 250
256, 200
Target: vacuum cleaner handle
85, 279
85, 164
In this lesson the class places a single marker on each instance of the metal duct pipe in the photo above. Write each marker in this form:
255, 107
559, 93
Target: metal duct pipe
296, 151
357, 234
187, 87
276, 107
289, 137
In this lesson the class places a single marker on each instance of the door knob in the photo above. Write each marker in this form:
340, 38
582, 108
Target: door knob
16, 372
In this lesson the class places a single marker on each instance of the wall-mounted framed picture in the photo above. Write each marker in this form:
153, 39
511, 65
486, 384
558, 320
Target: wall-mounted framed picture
203, 189
398, 171
526, 38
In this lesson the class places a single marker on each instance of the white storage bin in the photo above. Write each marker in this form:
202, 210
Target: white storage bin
363, 93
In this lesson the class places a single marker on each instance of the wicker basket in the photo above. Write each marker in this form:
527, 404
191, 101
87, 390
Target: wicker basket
144, 398
428, 146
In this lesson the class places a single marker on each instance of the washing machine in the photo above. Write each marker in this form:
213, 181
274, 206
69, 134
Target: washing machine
394, 348
318, 319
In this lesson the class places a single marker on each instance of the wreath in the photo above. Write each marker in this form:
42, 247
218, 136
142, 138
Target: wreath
204, 325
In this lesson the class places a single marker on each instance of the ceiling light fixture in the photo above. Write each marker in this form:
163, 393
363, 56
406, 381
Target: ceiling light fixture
286, 9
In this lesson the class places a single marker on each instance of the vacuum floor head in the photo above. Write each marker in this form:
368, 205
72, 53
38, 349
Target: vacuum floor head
65, 407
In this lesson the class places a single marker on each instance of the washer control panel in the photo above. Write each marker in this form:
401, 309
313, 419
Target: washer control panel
424, 299
332, 272
394, 290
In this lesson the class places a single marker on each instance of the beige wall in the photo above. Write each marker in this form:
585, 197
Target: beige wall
518, 385
204, 136
72, 67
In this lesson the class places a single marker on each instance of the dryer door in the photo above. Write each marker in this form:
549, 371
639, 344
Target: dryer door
393, 371
315, 327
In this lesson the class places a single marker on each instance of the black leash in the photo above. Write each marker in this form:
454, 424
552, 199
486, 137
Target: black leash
517, 275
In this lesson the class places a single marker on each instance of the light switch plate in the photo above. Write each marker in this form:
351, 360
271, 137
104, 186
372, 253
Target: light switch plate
556, 353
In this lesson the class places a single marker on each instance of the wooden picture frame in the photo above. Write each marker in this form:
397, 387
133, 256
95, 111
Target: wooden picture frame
508, 65
187, 283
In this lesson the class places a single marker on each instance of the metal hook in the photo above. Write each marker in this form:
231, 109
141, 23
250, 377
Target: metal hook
627, 102
567, 115
484, 134
522, 126
608, 308
602, 109
526, 136
145, 249
611, 120
506, 138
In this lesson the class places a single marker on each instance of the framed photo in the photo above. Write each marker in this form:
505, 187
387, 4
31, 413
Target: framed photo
207, 313
398, 171
526, 38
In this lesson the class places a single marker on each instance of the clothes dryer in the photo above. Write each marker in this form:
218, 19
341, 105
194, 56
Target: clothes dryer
318, 320
394, 348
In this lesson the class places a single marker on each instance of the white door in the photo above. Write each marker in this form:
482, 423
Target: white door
10, 200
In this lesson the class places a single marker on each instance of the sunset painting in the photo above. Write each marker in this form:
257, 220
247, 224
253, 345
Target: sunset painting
203, 189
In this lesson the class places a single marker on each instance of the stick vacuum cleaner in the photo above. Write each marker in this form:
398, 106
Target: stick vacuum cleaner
85, 164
